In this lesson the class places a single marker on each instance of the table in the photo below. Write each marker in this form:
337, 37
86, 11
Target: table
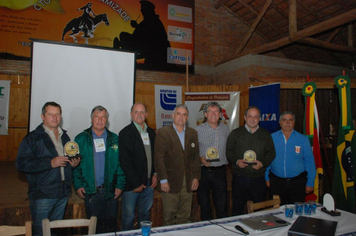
346, 226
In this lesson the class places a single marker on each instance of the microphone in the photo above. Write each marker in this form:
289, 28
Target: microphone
242, 230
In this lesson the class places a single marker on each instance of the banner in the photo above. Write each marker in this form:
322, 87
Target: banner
4, 106
161, 32
343, 189
311, 129
166, 99
229, 102
266, 98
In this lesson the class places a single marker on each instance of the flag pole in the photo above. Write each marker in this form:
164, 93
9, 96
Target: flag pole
187, 74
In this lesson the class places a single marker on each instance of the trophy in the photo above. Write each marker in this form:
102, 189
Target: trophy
212, 154
71, 150
249, 157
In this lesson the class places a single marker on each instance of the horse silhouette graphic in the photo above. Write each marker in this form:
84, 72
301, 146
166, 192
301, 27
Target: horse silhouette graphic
87, 26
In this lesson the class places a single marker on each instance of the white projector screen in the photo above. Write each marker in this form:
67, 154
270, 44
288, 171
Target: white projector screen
79, 78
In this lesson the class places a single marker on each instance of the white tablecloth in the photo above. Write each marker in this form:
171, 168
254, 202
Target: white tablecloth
346, 226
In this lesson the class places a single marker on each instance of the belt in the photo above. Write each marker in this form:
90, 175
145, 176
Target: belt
212, 168
301, 175
100, 187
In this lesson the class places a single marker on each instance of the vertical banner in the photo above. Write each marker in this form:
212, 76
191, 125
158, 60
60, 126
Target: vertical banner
229, 102
311, 129
166, 99
4, 106
343, 188
266, 98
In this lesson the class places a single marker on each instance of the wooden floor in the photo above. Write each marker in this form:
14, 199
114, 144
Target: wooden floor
14, 202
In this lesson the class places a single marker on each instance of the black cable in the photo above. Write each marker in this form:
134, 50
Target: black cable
214, 223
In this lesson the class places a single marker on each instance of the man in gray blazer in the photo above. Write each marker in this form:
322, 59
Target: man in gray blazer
177, 164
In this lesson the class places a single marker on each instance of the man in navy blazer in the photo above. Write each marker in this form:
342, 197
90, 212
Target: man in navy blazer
136, 146
177, 164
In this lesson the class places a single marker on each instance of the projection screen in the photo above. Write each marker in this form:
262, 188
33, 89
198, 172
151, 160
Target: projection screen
79, 78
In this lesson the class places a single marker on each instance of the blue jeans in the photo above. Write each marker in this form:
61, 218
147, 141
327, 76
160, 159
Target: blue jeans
244, 188
130, 200
104, 209
53, 209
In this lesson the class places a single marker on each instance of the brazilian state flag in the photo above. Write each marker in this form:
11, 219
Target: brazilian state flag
343, 189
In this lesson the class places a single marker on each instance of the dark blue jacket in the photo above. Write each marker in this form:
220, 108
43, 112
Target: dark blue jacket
34, 159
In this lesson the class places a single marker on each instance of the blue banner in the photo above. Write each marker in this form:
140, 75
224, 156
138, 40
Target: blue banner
266, 98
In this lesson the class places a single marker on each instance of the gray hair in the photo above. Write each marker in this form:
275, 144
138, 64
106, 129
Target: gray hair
137, 104
98, 108
212, 104
286, 113
182, 106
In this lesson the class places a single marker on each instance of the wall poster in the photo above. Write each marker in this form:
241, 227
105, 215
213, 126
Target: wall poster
161, 32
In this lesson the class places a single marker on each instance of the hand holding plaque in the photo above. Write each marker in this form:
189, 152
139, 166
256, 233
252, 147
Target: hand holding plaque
71, 150
250, 157
212, 154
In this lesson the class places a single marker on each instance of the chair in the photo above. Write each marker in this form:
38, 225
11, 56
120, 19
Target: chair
266, 205
48, 225
26, 230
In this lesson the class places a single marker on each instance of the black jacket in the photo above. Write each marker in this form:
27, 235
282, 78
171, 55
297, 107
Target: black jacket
132, 156
34, 159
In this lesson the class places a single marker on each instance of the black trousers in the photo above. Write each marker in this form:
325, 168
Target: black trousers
213, 179
290, 190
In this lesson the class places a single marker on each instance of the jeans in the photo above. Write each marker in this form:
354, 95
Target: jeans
53, 209
130, 200
244, 188
104, 209
213, 179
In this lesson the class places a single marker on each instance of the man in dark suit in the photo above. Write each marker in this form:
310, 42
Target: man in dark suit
136, 143
177, 164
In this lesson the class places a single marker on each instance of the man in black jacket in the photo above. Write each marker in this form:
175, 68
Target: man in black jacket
136, 143
48, 171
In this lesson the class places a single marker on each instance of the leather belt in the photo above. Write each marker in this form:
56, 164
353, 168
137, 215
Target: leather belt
301, 175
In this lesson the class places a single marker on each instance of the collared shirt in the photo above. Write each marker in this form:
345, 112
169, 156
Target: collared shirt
249, 130
293, 156
210, 137
147, 145
181, 135
57, 142
99, 158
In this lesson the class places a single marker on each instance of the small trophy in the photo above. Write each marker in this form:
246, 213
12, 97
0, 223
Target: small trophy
212, 154
71, 150
250, 157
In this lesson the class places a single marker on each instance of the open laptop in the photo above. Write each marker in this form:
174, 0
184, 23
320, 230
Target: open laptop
264, 222
312, 227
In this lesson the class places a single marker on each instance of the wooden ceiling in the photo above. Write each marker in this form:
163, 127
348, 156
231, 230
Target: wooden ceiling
320, 31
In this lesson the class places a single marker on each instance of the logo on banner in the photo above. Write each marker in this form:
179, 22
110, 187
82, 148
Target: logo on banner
179, 34
1, 94
179, 56
268, 117
178, 13
168, 99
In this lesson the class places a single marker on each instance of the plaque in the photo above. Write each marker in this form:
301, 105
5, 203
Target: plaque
250, 157
71, 150
212, 154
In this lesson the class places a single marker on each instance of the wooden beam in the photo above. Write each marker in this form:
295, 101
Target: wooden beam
326, 45
350, 37
333, 34
220, 3
254, 26
307, 32
292, 17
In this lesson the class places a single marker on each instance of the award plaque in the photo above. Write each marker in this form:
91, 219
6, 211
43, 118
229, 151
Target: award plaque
250, 157
71, 150
212, 154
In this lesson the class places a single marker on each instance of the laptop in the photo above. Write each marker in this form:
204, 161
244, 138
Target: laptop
264, 222
312, 227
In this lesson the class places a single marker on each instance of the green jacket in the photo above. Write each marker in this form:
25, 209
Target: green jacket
84, 174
